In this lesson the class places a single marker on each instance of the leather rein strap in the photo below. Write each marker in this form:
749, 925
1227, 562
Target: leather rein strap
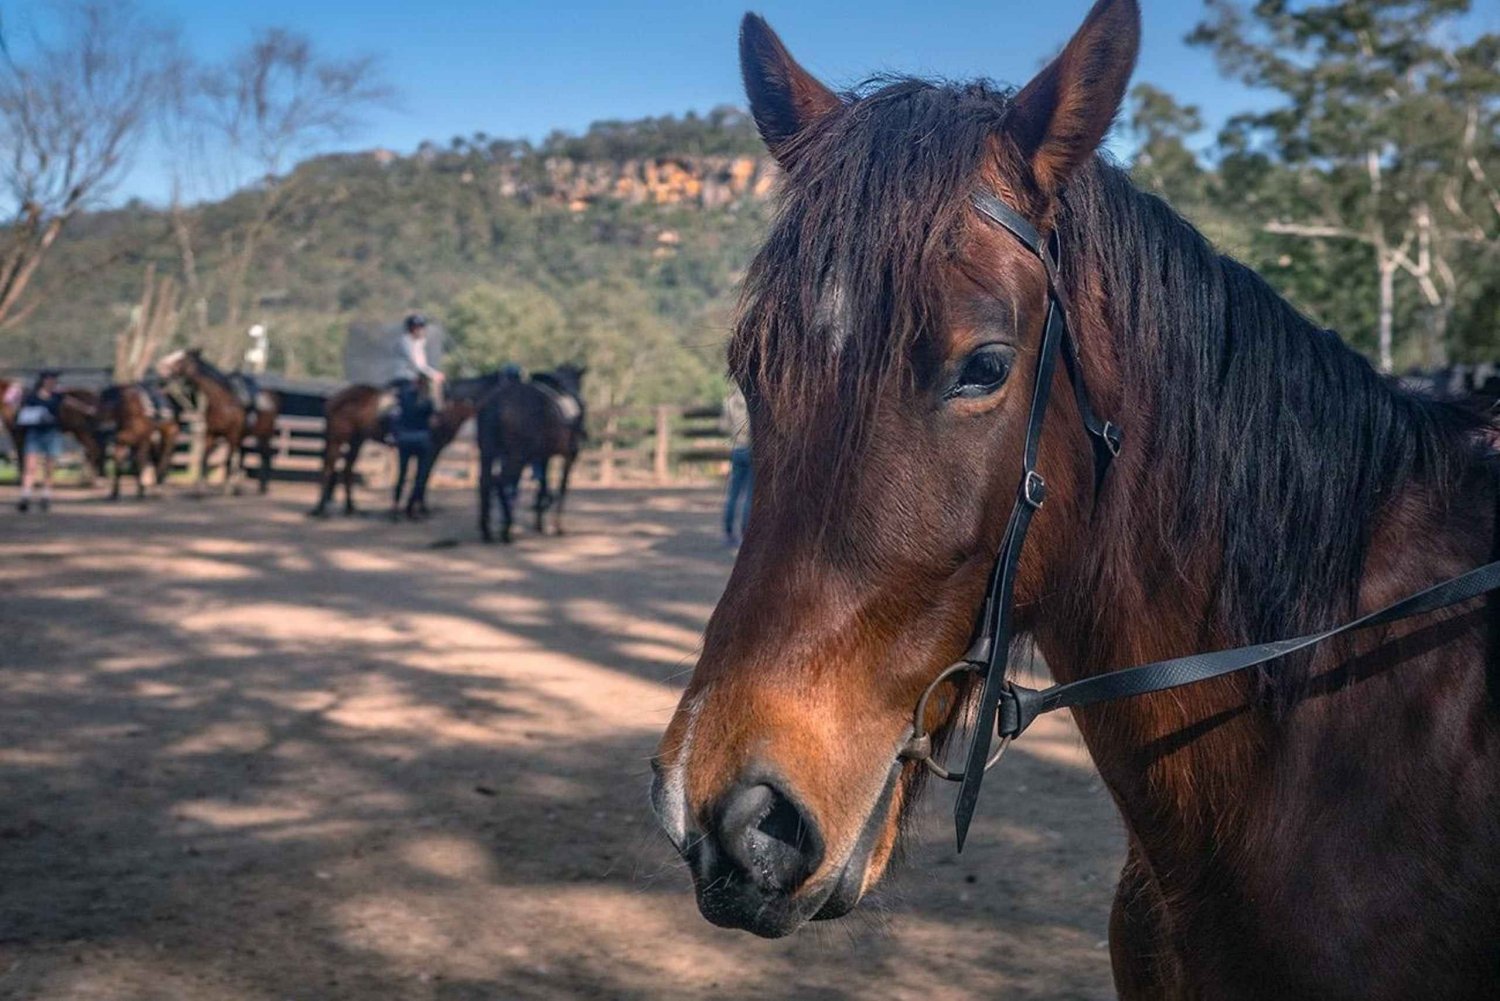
1007, 709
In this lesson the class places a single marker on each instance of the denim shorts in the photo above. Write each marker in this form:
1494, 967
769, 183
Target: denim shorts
44, 441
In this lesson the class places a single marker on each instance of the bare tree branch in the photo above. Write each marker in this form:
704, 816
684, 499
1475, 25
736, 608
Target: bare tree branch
1314, 230
71, 112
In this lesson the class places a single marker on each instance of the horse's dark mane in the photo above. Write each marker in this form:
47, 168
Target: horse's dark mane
1277, 445
214, 373
1283, 442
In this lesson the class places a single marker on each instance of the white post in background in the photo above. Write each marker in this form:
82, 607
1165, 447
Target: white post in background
256, 353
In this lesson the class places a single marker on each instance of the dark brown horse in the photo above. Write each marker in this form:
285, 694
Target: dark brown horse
522, 426
76, 418
226, 417
356, 414
1328, 827
139, 427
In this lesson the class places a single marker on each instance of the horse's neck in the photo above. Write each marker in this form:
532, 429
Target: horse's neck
1202, 773
217, 392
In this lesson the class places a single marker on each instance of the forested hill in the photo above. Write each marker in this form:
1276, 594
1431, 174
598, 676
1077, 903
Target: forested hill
621, 246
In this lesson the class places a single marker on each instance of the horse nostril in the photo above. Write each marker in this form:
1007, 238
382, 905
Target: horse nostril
763, 832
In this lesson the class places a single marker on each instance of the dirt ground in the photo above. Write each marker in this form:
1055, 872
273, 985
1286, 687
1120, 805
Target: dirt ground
248, 756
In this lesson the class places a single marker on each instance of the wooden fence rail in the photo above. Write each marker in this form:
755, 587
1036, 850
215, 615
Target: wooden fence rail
663, 445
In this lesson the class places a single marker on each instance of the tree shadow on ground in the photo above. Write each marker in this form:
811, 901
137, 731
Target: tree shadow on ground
244, 756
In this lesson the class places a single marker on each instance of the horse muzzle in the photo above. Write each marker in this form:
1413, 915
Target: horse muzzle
754, 858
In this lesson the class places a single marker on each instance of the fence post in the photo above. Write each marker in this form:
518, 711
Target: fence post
663, 443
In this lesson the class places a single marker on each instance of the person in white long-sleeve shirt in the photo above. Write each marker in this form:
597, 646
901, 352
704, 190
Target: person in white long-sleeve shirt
412, 362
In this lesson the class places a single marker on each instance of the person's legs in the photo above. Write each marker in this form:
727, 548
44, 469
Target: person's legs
747, 488
49, 464
417, 504
739, 482
404, 455
29, 463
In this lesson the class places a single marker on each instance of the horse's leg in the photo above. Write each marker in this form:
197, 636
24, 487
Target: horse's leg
142, 461
562, 491
266, 451
168, 444
1140, 951
355, 444
510, 482
332, 449
486, 489
236, 446
542, 497
119, 456
201, 479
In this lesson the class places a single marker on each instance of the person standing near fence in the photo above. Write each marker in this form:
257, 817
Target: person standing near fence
39, 419
735, 422
413, 434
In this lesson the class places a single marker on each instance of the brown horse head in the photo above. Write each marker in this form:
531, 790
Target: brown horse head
886, 346
179, 364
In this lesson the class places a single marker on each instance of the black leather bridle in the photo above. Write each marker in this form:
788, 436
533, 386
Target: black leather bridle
1006, 709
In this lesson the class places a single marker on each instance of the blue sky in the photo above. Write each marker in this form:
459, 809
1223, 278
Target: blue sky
522, 69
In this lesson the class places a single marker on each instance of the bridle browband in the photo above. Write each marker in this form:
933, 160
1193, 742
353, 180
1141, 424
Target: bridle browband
1005, 708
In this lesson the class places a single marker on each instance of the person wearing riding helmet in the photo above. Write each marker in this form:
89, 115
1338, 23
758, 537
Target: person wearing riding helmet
412, 362
39, 418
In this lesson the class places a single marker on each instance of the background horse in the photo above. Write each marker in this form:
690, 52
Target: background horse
140, 426
524, 424
1327, 827
355, 415
225, 416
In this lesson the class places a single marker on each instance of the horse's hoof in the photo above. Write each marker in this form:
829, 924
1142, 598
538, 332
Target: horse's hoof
317, 512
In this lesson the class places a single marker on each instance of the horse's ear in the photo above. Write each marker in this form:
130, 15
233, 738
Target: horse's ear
784, 98
1061, 116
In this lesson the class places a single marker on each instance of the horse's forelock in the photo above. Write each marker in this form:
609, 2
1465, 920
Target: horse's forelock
847, 283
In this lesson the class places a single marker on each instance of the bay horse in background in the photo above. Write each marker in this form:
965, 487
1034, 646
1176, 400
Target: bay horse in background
140, 426
1327, 826
357, 414
523, 425
76, 418
228, 416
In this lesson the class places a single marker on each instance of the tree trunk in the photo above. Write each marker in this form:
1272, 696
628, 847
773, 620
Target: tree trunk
1387, 311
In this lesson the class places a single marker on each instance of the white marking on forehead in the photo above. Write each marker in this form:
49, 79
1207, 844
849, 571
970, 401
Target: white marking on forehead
833, 314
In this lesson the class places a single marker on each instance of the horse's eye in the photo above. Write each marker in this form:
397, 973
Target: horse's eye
983, 372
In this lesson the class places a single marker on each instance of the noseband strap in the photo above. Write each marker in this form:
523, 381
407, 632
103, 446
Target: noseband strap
1005, 708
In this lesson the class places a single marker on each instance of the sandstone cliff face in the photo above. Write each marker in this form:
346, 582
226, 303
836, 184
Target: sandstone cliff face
708, 181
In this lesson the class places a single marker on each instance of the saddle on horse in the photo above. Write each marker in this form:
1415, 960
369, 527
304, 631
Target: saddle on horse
568, 406
247, 393
405, 412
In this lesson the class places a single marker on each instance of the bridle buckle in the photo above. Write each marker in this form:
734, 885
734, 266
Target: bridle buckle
1111, 435
1034, 490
